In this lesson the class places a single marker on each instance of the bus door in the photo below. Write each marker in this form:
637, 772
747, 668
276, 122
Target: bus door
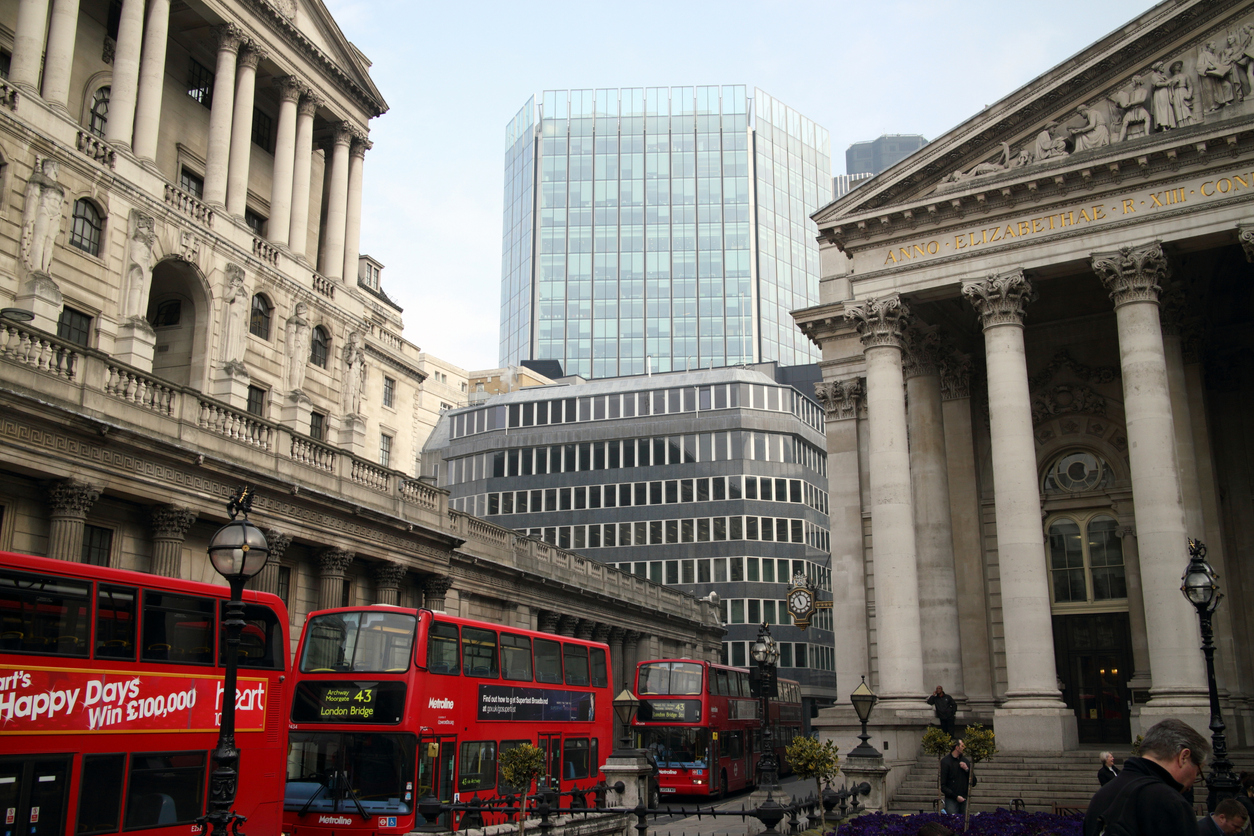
551, 745
33, 795
436, 771
715, 773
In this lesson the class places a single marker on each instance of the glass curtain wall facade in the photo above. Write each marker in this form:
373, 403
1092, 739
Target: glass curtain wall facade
660, 229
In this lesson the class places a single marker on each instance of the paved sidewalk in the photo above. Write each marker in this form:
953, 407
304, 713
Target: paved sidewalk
682, 825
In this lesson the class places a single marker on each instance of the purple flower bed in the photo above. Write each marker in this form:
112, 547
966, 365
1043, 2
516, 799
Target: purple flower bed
997, 823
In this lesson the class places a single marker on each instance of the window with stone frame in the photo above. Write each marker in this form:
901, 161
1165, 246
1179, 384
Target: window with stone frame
199, 82
317, 426
319, 347
98, 116
385, 450
256, 221
191, 182
1085, 560
257, 401
85, 227
389, 391
262, 314
74, 326
284, 590
97, 545
263, 131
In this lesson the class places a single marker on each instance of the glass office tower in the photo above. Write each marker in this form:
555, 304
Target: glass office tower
660, 229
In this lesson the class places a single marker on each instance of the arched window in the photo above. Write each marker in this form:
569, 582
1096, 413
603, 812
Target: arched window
263, 311
319, 347
1086, 560
99, 115
85, 230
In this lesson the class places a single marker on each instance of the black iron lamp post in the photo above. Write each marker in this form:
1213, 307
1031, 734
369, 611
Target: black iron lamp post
863, 699
238, 551
765, 653
1200, 585
625, 707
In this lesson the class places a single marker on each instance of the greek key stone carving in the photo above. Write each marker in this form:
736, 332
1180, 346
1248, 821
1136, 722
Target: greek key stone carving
840, 398
72, 497
171, 521
880, 322
1000, 299
1133, 274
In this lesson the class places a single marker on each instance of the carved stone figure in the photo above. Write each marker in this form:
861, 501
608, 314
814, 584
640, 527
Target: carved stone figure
1160, 106
235, 310
1047, 146
1230, 58
354, 373
296, 345
41, 220
1181, 94
1132, 100
1213, 74
1095, 132
138, 278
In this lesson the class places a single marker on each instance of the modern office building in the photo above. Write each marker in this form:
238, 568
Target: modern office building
842, 184
659, 229
876, 155
707, 481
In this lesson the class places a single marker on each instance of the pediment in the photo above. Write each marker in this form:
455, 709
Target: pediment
1173, 73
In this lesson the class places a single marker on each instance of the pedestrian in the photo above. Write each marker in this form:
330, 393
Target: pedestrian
956, 778
946, 708
1246, 795
1146, 800
1228, 819
1108, 772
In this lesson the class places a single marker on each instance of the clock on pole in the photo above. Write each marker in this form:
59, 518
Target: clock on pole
803, 603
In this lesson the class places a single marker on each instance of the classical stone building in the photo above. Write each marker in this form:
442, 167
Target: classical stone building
187, 310
1036, 337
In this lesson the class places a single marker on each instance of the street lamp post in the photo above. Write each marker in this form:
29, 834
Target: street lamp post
1200, 586
863, 699
625, 706
766, 656
238, 551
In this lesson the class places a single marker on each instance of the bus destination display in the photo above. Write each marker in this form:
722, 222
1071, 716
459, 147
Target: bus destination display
670, 711
349, 702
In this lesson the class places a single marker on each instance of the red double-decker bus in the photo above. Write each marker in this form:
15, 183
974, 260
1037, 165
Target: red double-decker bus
704, 729
393, 705
111, 694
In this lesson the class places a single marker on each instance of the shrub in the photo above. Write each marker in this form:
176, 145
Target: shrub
936, 742
981, 744
997, 823
811, 759
521, 765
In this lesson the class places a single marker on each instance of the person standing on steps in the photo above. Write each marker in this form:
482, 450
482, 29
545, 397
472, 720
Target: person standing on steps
1108, 772
956, 779
946, 708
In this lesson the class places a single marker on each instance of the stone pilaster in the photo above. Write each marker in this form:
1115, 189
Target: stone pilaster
125, 85
68, 502
1135, 276
352, 218
302, 169
279, 228
631, 655
332, 262
434, 588
617, 679
881, 324
1141, 675
170, 524
387, 582
221, 113
151, 80
62, 32
242, 129
1033, 716
267, 579
332, 564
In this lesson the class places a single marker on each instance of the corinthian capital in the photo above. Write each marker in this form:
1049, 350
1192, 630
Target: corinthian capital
171, 521
72, 497
840, 398
289, 88
335, 561
1001, 298
387, 573
955, 372
880, 321
1245, 234
342, 133
250, 56
924, 350
229, 37
1133, 274
309, 104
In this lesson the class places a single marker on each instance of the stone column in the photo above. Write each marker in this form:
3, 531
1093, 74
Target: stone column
302, 170
566, 626
631, 655
220, 113
28, 46
967, 525
69, 502
125, 86
1141, 675
62, 32
242, 129
151, 80
268, 578
617, 680
332, 564
387, 582
1134, 277
280, 226
933, 530
352, 221
880, 324
337, 202
169, 526
548, 621
841, 400
584, 628
434, 589
1033, 717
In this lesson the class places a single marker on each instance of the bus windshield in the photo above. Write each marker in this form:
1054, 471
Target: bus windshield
367, 774
381, 642
674, 678
676, 747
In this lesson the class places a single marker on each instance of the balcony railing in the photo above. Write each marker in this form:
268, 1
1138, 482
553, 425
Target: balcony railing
8, 95
324, 285
96, 148
266, 251
188, 205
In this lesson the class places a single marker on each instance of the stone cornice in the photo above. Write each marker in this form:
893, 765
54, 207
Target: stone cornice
1000, 299
1133, 274
387, 359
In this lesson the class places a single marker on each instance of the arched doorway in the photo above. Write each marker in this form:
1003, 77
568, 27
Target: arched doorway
178, 311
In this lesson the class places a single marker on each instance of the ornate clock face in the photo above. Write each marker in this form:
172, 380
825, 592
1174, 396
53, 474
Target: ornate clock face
800, 602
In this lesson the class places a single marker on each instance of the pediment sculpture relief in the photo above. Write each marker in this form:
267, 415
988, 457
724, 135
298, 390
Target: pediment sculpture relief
1181, 90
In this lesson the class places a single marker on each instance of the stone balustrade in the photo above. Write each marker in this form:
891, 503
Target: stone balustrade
31, 347
265, 251
8, 95
145, 391
96, 148
188, 205
235, 424
324, 285
312, 454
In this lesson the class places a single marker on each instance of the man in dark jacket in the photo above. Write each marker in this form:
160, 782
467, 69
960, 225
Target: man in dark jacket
956, 777
1228, 819
946, 708
1149, 788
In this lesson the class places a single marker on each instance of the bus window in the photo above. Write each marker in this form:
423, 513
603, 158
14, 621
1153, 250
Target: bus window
258, 640
115, 622
516, 657
720, 683
164, 789
442, 649
735, 744
479, 652
351, 641
477, 766
575, 758
743, 683
676, 678
177, 629
100, 795
548, 661
505, 787
576, 661
41, 614
600, 668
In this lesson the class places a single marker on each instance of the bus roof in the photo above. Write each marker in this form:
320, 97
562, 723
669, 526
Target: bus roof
455, 619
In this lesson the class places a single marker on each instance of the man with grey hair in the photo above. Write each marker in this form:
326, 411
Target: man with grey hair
1146, 799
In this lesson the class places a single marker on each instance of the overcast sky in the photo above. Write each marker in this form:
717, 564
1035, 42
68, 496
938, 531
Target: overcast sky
454, 72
